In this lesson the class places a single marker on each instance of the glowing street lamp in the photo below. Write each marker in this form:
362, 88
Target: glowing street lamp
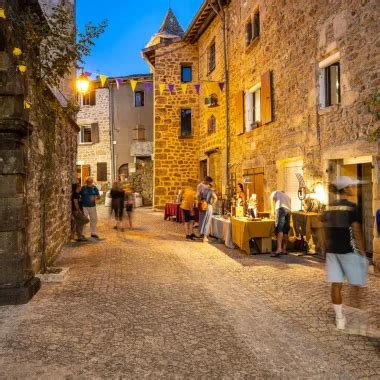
82, 84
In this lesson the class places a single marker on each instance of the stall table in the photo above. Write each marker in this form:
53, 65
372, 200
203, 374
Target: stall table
244, 230
174, 210
307, 224
221, 229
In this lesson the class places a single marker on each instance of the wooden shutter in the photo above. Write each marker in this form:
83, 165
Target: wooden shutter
101, 171
240, 124
266, 98
86, 172
92, 97
94, 133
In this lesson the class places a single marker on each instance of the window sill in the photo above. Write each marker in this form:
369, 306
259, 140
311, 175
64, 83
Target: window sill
185, 137
253, 43
329, 109
88, 143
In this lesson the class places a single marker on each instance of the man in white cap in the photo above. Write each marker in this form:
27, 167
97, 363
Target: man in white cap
343, 243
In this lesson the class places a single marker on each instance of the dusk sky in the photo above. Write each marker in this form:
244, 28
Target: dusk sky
131, 24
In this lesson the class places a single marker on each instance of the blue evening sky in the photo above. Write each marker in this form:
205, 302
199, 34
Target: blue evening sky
131, 23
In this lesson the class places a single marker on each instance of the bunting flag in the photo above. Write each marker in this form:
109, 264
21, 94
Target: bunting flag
88, 74
148, 86
2, 13
133, 84
197, 87
27, 104
171, 87
22, 68
221, 86
118, 82
161, 87
103, 79
17, 51
184, 88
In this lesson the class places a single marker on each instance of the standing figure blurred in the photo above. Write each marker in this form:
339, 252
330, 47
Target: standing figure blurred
206, 198
241, 195
89, 194
129, 204
343, 243
117, 204
78, 216
187, 207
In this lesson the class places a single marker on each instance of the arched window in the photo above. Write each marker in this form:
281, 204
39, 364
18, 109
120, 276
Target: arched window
211, 125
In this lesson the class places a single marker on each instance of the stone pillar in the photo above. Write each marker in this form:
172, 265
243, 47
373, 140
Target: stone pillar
17, 281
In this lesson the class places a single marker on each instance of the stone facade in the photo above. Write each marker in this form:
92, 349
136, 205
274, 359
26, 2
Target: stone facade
99, 150
294, 41
36, 171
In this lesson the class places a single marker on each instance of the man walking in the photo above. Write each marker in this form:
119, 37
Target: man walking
343, 243
89, 195
77, 212
281, 207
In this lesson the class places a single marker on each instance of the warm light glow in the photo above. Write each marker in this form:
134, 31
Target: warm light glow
319, 193
83, 84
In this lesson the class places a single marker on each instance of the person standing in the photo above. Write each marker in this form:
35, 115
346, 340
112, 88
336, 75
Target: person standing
281, 208
129, 204
187, 207
343, 243
206, 197
117, 204
89, 195
77, 211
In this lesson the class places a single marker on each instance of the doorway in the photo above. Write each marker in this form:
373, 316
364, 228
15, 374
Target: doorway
82, 172
202, 169
255, 185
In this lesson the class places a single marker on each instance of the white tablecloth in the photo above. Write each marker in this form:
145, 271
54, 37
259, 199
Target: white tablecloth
221, 229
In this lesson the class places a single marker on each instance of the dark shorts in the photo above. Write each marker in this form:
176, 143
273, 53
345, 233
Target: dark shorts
187, 217
118, 211
283, 221
129, 207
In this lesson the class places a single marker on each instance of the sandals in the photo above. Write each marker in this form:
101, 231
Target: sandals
275, 254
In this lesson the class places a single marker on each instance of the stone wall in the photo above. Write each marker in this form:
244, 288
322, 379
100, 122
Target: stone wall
175, 157
92, 153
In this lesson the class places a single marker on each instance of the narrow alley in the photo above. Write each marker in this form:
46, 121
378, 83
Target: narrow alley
146, 303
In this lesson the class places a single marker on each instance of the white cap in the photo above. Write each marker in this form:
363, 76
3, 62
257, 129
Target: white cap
345, 181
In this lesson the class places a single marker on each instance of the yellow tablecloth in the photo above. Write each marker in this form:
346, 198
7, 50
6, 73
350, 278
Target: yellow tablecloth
243, 231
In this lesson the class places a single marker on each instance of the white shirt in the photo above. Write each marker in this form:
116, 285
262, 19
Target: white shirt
282, 200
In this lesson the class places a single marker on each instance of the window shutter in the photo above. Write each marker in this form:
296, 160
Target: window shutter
101, 171
240, 127
94, 133
92, 98
266, 98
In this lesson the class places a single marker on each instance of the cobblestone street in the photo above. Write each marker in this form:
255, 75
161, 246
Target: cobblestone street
146, 303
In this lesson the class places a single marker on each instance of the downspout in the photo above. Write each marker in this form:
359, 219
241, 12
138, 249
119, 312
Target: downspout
222, 15
111, 118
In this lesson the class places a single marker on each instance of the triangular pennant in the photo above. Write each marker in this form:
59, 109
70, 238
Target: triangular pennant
133, 84
148, 86
221, 86
2, 13
161, 87
197, 87
184, 88
88, 74
103, 79
118, 82
171, 87
27, 104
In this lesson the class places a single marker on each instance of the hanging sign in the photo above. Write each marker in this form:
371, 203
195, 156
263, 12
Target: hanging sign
103, 79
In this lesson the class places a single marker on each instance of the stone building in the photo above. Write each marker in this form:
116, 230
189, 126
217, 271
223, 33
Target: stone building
116, 128
37, 162
299, 77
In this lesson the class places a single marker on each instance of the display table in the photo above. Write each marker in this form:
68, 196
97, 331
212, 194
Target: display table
244, 230
221, 229
173, 210
307, 224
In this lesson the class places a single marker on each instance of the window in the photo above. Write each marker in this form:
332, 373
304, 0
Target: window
101, 171
89, 99
211, 57
186, 122
89, 134
256, 25
253, 107
85, 134
252, 28
211, 125
329, 81
139, 133
248, 32
186, 74
139, 99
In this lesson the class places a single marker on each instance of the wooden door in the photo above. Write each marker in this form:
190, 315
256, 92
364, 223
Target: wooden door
259, 190
202, 169
85, 173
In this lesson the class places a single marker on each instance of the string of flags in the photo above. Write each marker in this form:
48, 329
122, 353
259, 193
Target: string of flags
208, 86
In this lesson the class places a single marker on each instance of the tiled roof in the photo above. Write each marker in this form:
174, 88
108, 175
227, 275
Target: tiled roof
170, 25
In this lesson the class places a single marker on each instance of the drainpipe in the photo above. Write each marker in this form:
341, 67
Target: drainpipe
222, 15
111, 106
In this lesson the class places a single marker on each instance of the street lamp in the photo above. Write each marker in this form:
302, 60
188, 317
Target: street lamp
82, 84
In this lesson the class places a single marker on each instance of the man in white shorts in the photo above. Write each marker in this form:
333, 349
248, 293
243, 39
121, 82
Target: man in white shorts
343, 243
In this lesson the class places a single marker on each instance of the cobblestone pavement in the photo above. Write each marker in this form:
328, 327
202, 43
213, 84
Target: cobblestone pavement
146, 303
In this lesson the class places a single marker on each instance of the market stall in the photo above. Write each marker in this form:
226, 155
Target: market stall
173, 210
307, 224
243, 230
221, 229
